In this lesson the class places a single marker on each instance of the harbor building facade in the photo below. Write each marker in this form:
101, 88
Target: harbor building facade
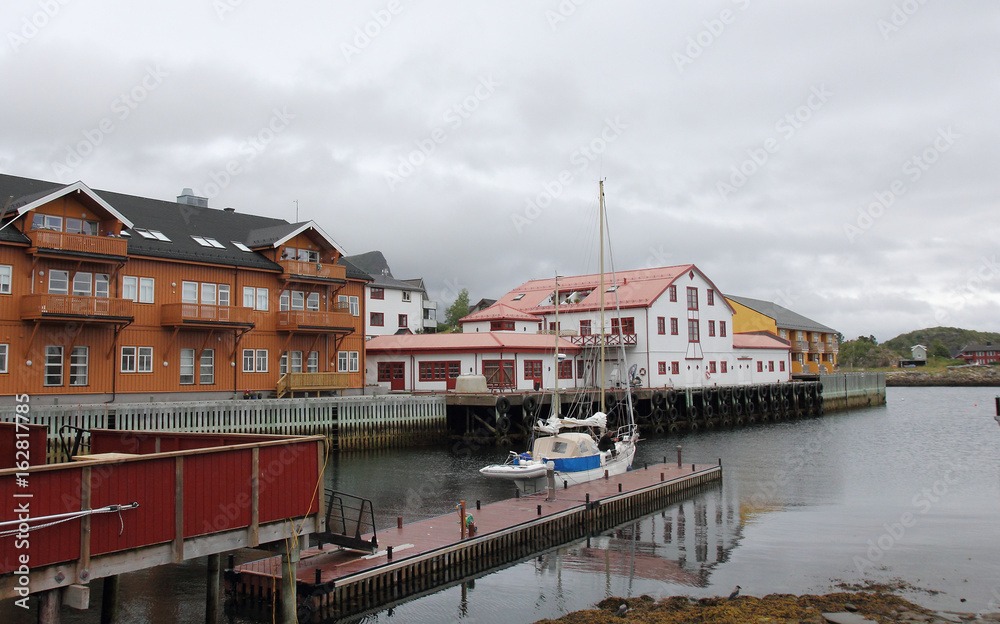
814, 346
106, 296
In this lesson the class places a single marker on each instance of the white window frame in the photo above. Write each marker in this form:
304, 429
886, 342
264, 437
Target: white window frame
209, 293
127, 366
249, 360
189, 292
223, 294
6, 272
261, 358
147, 290
284, 300
187, 367
83, 284
295, 361
53, 358
144, 360
406, 295
312, 302
206, 368
79, 364
4, 349
130, 287
298, 301
41, 221
342, 362
64, 275
312, 362
102, 285
355, 360
261, 301
355, 306
249, 296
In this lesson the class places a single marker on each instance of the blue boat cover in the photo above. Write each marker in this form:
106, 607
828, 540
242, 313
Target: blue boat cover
577, 464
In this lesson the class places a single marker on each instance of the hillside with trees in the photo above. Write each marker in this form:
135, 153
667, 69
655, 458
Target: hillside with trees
940, 341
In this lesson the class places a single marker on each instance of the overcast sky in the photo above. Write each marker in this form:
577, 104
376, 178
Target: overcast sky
837, 158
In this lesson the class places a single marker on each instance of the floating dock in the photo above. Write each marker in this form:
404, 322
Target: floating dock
418, 557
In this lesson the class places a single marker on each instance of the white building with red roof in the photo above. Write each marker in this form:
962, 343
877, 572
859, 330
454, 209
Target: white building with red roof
671, 324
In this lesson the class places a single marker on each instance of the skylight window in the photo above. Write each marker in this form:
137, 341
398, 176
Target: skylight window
241, 246
613, 288
205, 241
151, 234
519, 297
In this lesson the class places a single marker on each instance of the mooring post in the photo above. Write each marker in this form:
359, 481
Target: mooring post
211, 593
461, 516
109, 600
289, 569
678, 456
399, 522
48, 606
388, 555
998, 405
550, 477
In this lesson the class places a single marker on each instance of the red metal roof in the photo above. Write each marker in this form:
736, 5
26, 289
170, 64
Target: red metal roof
498, 312
759, 340
634, 289
472, 342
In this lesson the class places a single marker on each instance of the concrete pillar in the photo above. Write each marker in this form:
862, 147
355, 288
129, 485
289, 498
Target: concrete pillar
289, 600
48, 606
109, 600
212, 594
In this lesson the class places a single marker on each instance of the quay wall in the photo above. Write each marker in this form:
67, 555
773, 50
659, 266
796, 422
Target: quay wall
350, 423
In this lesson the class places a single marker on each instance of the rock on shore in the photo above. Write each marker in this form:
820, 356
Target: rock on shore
842, 607
964, 376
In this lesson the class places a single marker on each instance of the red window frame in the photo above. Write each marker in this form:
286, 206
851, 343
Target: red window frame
724, 366
378, 293
711, 328
385, 370
710, 297
585, 329
770, 367
501, 325
499, 373
760, 367
781, 366
532, 369
566, 369
439, 371
377, 319
625, 325
579, 369
673, 327
661, 325
692, 298
711, 367
722, 328
402, 321
694, 333
675, 368
661, 368
672, 292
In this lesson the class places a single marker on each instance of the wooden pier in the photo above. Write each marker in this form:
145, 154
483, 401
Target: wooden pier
421, 556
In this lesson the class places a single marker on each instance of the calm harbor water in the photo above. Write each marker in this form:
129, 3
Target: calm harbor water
907, 492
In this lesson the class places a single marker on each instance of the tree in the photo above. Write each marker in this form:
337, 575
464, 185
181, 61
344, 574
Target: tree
939, 349
456, 311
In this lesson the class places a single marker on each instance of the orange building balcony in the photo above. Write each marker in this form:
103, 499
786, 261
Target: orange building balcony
295, 270
200, 315
800, 346
818, 347
50, 242
70, 307
315, 321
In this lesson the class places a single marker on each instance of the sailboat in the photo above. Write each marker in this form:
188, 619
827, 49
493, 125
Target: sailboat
577, 450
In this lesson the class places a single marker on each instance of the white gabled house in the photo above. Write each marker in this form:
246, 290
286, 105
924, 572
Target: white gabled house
394, 306
672, 324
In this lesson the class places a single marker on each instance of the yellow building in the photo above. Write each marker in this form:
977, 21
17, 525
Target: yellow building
814, 346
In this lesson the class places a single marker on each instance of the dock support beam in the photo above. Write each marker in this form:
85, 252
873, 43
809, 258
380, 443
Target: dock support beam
212, 593
289, 599
48, 606
109, 600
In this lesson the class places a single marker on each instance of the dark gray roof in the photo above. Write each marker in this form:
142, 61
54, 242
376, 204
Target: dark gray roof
178, 222
352, 271
972, 348
374, 264
783, 317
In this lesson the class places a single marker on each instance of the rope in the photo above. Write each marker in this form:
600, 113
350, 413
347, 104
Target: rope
75, 516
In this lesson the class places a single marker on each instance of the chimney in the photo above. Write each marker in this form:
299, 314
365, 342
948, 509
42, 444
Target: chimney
188, 198
229, 209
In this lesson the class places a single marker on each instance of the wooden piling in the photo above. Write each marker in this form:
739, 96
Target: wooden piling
109, 600
212, 590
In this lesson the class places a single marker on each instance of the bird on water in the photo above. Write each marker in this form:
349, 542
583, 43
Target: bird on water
736, 592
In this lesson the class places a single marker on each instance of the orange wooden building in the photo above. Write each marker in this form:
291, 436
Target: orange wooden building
111, 297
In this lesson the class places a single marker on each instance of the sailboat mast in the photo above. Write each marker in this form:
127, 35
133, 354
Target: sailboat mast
601, 219
556, 403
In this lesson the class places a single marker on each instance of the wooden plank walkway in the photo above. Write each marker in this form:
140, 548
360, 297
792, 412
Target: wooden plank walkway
431, 552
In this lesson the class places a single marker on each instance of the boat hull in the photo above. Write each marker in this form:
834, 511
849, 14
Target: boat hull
531, 478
